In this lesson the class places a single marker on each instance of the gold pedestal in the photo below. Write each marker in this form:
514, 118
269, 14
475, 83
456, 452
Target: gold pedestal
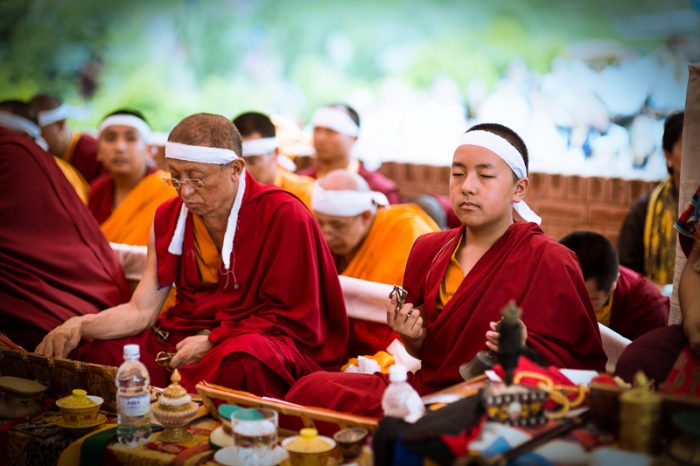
175, 434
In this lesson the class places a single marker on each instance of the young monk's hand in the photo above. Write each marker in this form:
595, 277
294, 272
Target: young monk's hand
190, 351
407, 321
59, 342
493, 335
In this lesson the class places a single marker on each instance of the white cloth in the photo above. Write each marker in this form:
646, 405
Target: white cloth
175, 246
199, 154
510, 156
48, 117
261, 146
335, 119
345, 203
132, 121
22, 125
613, 345
132, 259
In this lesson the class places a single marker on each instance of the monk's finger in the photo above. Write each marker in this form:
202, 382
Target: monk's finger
180, 344
176, 360
417, 324
493, 326
40, 349
492, 346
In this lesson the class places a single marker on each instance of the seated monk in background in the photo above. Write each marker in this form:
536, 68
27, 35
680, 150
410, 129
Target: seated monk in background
124, 200
459, 280
20, 116
369, 239
261, 151
623, 300
672, 354
55, 262
258, 305
77, 149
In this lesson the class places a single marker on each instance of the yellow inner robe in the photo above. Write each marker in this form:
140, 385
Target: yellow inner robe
74, 178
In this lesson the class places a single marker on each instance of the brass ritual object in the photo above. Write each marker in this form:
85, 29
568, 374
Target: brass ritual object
400, 295
163, 358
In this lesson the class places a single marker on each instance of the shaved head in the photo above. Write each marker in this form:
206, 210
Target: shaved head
343, 180
207, 130
43, 102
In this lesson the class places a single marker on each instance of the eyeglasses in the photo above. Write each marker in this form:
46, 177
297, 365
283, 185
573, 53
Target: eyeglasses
177, 184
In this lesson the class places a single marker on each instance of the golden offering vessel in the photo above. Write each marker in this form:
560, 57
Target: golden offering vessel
174, 410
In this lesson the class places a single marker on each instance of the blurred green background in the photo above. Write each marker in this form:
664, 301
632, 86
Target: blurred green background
173, 58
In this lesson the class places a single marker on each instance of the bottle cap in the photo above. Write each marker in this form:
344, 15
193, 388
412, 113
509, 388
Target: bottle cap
131, 351
397, 373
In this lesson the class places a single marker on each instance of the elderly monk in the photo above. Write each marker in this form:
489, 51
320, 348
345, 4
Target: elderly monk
124, 200
21, 117
78, 149
259, 304
261, 153
369, 240
55, 262
623, 300
459, 280
336, 128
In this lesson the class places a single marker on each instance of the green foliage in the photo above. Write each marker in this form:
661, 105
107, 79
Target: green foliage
172, 58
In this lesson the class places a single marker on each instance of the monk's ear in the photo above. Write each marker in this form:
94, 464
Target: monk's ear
237, 168
520, 189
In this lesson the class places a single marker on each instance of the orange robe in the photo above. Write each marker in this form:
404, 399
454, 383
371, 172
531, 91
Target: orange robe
130, 222
382, 258
301, 186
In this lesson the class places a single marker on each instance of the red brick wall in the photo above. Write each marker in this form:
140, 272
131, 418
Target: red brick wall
565, 203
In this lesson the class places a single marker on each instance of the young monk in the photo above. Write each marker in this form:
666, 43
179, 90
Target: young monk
459, 280
125, 200
261, 153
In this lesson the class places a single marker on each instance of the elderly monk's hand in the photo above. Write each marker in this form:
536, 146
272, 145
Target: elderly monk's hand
191, 350
59, 342
407, 321
493, 335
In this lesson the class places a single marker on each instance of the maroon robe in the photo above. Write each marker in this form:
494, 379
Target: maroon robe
543, 278
375, 180
279, 309
84, 158
55, 261
638, 306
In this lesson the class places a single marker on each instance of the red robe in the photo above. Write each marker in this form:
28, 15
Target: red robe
375, 180
55, 262
281, 304
638, 307
543, 278
84, 158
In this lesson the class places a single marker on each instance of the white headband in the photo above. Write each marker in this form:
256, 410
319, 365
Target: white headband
175, 246
21, 124
335, 119
510, 155
261, 146
48, 117
345, 203
122, 119
199, 154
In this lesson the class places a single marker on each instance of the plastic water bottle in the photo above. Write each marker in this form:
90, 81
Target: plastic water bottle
400, 398
133, 399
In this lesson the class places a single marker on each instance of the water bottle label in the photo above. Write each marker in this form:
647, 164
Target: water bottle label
134, 405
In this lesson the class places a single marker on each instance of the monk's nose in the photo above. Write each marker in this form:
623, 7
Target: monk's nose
186, 190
